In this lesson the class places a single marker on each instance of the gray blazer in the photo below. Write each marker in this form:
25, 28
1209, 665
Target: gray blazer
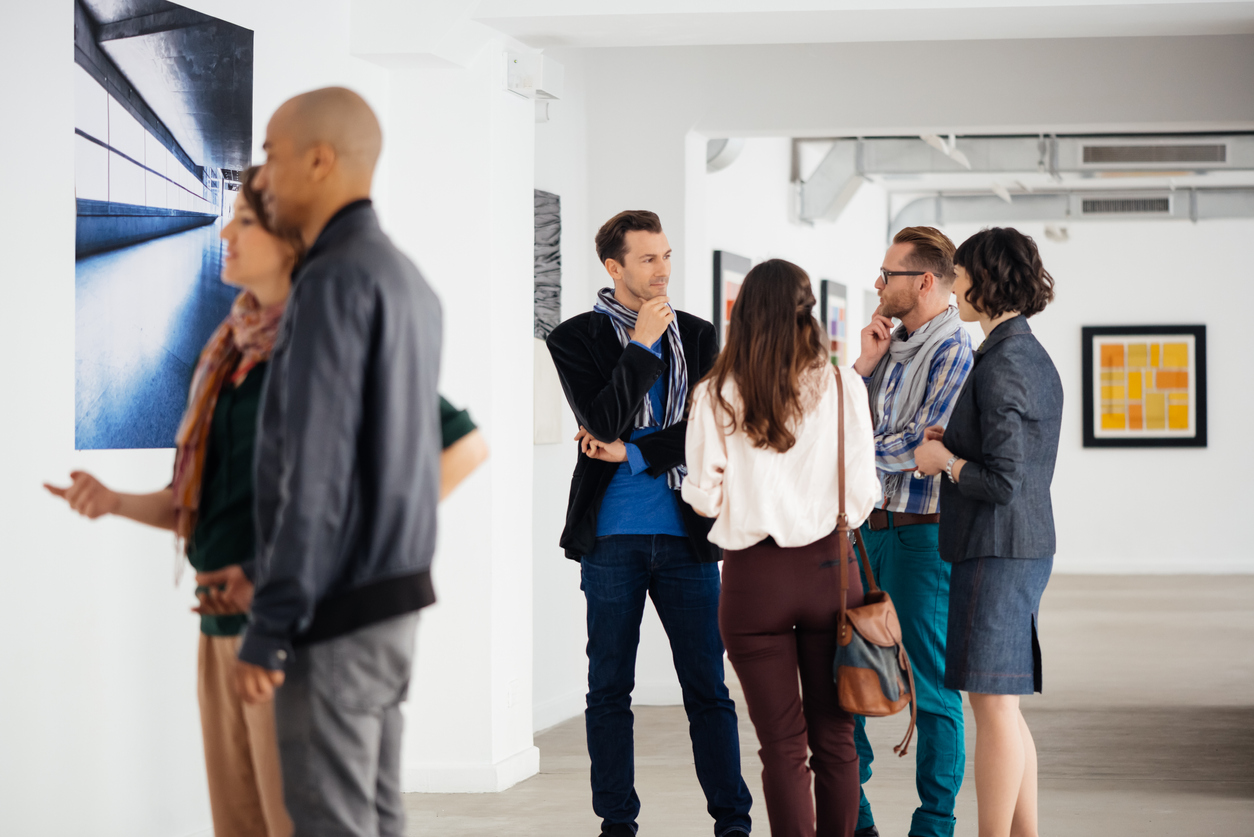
1005, 424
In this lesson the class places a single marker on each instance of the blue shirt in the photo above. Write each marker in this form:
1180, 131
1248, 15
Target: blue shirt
636, 503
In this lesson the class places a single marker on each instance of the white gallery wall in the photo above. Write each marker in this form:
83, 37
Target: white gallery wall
750, 211
98, 723
647, 112
1150, 510
1117, 510
99, 729
560, 663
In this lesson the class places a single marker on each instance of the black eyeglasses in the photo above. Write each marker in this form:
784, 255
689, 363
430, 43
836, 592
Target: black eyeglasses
886, 274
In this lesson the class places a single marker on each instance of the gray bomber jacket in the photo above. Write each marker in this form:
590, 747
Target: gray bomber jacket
1005, 423
348, 447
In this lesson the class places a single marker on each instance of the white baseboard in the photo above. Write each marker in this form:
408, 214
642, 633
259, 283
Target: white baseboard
551, 712
1149, 565
471, 778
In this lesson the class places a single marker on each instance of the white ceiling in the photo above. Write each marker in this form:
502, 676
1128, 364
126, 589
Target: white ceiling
599, 23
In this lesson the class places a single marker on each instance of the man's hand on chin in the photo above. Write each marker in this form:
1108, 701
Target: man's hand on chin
254, 683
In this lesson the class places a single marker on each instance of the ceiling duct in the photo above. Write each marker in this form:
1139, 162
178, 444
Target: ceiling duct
849, 162
1067, 206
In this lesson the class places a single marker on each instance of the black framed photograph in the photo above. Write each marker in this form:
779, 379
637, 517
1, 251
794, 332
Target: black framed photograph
1144, 386
729, 273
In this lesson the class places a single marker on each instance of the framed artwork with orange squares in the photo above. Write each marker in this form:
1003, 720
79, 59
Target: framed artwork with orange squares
1144, 386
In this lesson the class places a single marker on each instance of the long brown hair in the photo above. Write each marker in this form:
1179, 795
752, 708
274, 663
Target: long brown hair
772, 340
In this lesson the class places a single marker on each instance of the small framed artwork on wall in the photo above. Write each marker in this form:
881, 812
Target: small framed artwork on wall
834, 312
729, 273
1144, 386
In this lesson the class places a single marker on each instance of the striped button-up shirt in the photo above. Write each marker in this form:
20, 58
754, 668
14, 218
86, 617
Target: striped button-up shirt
894, 452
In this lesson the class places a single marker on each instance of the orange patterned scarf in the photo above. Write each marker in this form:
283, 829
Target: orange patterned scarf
245, 338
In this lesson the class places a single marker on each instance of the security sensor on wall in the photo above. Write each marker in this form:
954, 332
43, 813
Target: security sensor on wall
1057, 234
533, 76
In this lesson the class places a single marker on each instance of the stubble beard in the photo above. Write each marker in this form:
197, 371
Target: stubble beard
898, 307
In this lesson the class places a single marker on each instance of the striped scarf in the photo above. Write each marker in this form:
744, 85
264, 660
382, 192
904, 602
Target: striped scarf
244, 339
624, 319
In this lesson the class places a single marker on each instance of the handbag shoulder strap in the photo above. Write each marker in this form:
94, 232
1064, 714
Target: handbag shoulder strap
842, 521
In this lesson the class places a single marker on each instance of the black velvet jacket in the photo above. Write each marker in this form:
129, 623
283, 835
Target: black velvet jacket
605, 385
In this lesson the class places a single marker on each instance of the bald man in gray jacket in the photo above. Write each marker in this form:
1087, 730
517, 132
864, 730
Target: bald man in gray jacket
347, 478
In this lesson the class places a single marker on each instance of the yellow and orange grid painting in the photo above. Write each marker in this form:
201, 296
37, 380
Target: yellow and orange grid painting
1145, 386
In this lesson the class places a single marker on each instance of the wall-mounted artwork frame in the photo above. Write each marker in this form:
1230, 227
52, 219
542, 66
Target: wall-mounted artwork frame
834, 314
1144, 386
163, 120
729, 273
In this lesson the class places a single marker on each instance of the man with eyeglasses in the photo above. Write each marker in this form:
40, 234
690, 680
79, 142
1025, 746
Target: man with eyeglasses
913, 375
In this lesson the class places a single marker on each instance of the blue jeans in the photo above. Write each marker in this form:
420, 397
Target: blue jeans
616, 576
909, 568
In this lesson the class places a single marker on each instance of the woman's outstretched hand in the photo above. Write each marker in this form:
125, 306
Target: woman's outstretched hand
87, 495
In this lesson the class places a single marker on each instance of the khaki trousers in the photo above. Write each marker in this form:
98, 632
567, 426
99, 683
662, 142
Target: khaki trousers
241, 750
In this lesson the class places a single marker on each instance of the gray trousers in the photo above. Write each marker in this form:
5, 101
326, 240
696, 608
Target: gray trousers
339, 725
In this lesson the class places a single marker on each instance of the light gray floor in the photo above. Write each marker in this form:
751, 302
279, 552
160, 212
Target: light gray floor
1146, 728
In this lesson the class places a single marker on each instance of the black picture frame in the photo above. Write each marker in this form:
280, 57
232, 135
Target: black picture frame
725, 265
827, 290
1089, 335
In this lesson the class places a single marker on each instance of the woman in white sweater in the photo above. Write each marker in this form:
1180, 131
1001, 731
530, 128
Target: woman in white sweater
762, 459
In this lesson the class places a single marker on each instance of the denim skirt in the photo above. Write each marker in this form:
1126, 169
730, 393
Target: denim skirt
991, 646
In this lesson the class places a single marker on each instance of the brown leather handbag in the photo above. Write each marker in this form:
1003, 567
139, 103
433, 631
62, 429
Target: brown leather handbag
871, 669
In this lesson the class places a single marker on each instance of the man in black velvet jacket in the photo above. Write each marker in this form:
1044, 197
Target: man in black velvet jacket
628, 368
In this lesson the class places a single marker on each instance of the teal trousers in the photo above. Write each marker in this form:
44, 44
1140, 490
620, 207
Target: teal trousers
909, 568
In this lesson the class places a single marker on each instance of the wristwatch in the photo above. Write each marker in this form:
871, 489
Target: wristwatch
949, 468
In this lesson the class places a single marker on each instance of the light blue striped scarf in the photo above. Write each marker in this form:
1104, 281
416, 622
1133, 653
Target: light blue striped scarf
624, 319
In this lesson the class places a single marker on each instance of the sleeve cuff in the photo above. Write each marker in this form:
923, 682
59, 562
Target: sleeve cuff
267, 652
249, 568
708, 503
636, 459
657, 353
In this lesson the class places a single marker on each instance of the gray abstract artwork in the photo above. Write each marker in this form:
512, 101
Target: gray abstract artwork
548, 263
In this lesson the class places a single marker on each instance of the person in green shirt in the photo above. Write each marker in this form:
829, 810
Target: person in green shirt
209, 505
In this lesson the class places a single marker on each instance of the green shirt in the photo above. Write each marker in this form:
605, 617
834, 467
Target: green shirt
224, 533
454, 423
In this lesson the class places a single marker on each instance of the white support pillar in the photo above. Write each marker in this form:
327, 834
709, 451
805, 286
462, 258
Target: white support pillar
461, 150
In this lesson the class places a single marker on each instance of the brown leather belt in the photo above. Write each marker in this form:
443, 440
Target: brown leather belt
879, 520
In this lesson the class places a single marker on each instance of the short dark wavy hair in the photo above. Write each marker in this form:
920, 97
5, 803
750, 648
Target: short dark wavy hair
1006, 273
611, 240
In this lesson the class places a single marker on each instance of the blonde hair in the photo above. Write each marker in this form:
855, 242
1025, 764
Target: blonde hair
933, 251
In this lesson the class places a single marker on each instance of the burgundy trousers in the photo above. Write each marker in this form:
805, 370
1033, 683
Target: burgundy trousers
778, 616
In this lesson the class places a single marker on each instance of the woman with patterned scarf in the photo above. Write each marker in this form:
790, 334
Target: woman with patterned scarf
209, 506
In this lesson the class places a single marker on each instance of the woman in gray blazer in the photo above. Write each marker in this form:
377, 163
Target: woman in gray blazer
997, 523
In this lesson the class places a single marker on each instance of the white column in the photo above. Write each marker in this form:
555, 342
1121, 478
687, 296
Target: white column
461, 163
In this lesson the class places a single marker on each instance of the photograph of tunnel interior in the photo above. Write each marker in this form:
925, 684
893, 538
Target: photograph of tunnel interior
163, 126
